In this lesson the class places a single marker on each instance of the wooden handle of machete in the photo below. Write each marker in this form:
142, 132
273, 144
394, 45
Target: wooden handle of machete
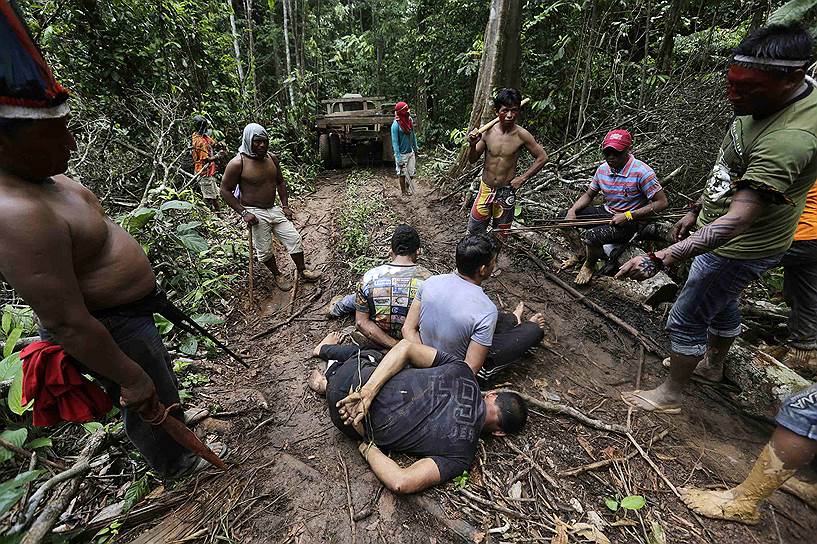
484, 128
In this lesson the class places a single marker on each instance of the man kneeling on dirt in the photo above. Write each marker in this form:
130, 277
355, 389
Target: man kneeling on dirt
453, 314
258, 177
386, 292
749, 209
631, 192
88, 281
501, 144
432, 409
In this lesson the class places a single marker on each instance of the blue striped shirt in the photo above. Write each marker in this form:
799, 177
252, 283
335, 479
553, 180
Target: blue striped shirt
631, 188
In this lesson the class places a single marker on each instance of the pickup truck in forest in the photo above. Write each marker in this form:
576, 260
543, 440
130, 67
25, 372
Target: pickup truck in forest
355, 126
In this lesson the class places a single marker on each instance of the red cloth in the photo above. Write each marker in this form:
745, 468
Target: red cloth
401, 113
60, 392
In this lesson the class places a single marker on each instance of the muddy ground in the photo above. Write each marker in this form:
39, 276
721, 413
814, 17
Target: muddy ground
291, 483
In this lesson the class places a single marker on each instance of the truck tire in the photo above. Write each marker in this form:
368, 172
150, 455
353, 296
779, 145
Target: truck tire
335, 151
324, 148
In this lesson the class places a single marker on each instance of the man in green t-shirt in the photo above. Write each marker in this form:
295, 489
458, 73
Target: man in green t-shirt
749, 209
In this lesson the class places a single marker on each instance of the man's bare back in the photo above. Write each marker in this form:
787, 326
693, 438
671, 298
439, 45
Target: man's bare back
110, 266
257, 179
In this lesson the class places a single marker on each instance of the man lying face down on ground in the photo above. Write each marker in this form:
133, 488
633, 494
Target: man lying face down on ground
417, 400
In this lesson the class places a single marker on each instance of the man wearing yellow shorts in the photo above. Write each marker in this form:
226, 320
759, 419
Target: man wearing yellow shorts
501, 143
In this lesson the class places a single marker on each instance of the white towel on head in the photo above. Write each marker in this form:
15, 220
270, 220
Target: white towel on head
251, 131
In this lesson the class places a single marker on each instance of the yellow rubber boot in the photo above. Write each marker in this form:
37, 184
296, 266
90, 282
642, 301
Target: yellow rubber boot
741, 503
805, 491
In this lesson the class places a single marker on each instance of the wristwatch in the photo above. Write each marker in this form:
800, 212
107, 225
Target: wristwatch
244, 212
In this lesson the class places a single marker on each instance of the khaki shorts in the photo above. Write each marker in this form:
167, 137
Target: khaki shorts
409, 166
272, 221
209, 187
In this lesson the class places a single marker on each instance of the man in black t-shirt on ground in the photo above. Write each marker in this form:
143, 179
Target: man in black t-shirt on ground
432, 409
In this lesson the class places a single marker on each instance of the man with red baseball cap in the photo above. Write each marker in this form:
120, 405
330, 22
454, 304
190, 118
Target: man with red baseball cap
631, 192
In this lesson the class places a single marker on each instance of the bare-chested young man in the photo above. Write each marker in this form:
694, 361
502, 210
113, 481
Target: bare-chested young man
501, 143
257, 173
81, 273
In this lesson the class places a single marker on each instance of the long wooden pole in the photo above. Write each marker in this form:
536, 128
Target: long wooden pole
252, 257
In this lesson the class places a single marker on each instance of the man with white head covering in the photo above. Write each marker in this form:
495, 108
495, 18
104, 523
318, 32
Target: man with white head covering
88, 281
257, 173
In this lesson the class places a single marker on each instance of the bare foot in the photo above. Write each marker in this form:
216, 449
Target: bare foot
539, 319
518, 312
657, 400
584, 275
330, 339
721, 505
570, 262
317, 382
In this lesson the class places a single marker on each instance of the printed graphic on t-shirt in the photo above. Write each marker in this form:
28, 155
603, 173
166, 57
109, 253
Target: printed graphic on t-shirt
387, 292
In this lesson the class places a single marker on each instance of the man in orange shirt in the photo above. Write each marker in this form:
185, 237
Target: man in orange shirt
204, 162
800, 289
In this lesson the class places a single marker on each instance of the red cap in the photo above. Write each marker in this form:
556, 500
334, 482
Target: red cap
617, 139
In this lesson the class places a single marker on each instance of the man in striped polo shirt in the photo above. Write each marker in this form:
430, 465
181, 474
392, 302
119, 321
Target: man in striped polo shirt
631, 191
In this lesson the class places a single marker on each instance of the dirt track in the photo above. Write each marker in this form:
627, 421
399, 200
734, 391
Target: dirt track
291, 448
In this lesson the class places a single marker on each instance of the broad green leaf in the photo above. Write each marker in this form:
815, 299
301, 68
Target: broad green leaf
633, 502
41, 442
10, 367
11, 341
136, 492
611, 503
176, 205
16, 437
139, 217
517, 210
92, 426
193, 241
12, 490
207, 319
185, 227
163, 324
190, 346
6, 323
15, 396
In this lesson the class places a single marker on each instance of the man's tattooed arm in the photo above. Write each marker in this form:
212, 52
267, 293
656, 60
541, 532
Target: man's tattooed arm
746, 206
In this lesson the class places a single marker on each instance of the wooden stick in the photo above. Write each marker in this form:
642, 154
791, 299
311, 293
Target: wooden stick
50, 515
294, 291
272, 329
22, 452
569, 411
652, 464
648, 343
352, 523
252, 257
487, 126
604, 462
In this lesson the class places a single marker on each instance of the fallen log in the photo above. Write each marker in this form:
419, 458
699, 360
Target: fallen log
652, 292
763, 380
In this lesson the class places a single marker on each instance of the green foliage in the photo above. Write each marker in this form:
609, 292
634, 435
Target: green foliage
630, 502
462, 480
13, 490
359, 220
16, 437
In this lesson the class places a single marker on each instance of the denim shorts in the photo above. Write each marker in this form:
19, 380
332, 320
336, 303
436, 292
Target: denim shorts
799, 413
708, 303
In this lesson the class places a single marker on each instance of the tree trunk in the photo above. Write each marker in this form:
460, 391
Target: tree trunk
664, 61
642, 92
499, 66
288, 83
235, 46
251, 55
588, 71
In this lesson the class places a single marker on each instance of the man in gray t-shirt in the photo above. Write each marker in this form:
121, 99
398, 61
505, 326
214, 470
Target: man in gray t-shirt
452, 314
